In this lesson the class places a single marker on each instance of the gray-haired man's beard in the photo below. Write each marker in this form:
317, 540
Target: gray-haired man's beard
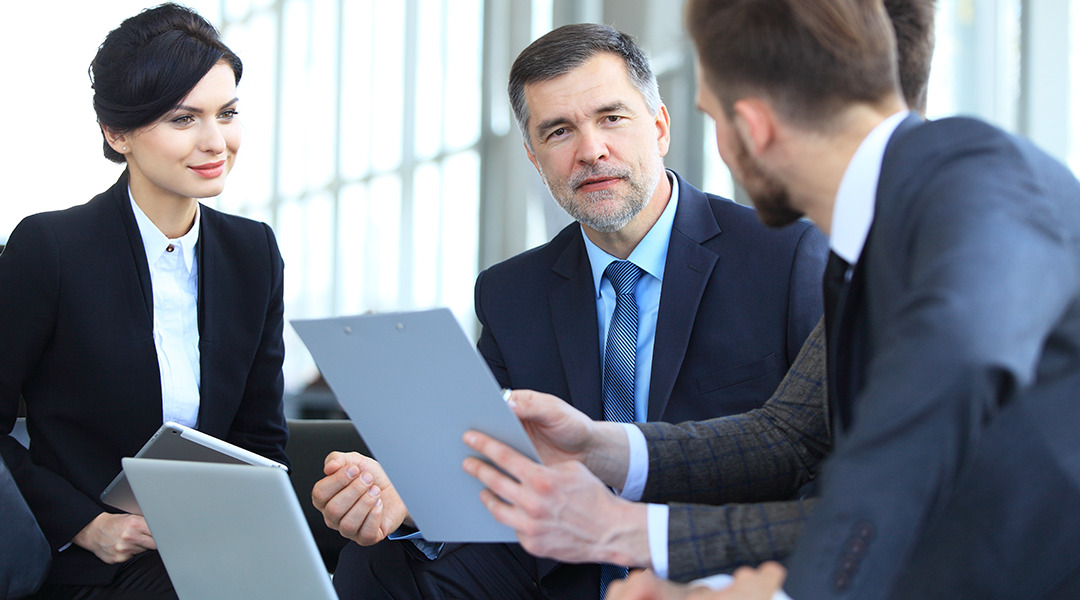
585, 208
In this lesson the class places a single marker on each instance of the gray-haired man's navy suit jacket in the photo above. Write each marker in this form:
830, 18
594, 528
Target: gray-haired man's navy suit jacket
77, 341
738, 300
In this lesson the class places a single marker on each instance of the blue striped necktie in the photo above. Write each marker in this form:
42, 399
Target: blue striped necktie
619, 354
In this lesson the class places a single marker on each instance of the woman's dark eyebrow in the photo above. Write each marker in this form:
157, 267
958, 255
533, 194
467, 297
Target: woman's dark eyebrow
186, 108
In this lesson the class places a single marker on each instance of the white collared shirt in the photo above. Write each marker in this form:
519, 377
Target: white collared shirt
853, 211
175, 281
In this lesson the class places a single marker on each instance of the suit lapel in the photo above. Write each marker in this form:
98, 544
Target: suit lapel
206, 256
852, 347
687, 270
124, 243
841, 352
134, 252
573, 314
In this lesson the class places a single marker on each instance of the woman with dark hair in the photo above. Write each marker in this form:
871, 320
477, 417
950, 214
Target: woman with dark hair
140, 306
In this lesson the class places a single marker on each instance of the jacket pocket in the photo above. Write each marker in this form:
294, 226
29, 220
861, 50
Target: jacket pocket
736, 375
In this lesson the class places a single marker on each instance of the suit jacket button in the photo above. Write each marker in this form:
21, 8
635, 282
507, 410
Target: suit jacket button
857, 546
842, 582
865, 530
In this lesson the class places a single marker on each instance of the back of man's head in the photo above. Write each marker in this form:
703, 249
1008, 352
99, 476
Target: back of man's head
563, 49
913, 22
809, 58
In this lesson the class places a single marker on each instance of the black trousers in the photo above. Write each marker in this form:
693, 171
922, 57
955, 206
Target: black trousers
397, 570
141, 578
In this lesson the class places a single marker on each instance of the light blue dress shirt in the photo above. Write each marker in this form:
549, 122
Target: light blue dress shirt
650, 255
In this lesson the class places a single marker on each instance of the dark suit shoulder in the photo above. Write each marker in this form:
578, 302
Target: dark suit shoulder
743, 220
526, 266
84, 224
235, 224
925, 147
755, 242
234, 233
958, 164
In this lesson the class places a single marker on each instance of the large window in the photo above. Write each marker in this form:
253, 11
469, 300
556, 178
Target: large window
1014, 63
380, 146
362, 124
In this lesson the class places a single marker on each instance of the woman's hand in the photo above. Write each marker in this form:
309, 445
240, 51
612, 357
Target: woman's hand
114, 538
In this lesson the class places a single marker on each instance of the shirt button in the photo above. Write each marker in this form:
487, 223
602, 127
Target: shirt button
170, 248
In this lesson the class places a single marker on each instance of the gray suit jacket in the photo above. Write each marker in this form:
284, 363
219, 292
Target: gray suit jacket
764, 455
956, 468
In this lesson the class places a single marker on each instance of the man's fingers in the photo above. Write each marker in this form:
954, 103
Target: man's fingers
774, 572
337, 501
495, 480
333, 462
755, 584
510, 515
337, 460
507, 459
768, 574
533, 406
362, 523
330, 486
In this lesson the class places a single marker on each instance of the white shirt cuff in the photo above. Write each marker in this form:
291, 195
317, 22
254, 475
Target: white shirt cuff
637, 472
719, 582
658, 542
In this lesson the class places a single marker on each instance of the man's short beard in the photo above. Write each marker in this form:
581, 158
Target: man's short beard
634, 201
769, 194
610, 221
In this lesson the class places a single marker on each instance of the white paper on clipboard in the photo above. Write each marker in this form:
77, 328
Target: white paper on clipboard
413, 384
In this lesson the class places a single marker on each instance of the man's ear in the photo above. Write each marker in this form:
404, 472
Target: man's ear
532, 159
663, 130
755, 123
118, 141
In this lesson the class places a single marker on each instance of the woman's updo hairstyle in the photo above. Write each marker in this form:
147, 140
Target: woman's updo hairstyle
147, 65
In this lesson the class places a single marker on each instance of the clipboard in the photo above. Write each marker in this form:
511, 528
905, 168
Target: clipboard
412, 384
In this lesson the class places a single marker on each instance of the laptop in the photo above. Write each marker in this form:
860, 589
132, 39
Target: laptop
229, 531
174, 441
413, 383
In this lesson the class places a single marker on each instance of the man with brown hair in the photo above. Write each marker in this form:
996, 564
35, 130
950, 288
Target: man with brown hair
954, 324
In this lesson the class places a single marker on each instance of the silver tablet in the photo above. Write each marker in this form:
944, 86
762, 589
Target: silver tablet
229, 531
174, 441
